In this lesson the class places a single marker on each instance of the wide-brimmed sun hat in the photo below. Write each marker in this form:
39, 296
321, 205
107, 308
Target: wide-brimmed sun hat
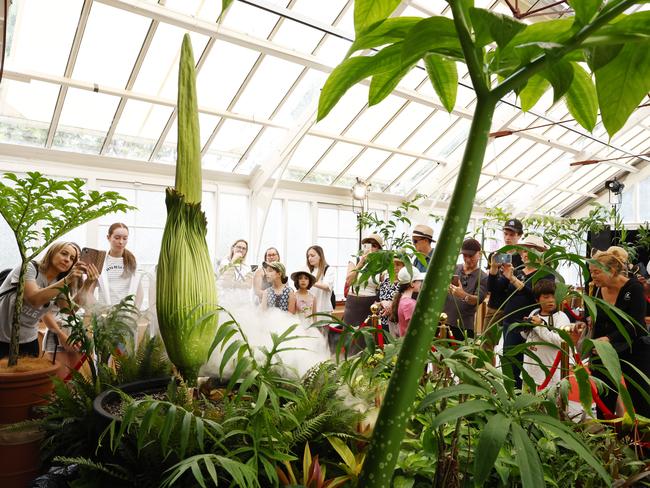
535, 242
376, 238
405, 276
304, 271
423, 231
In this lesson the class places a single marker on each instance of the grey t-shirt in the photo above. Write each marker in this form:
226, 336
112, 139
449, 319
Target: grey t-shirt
460, 313
30, 315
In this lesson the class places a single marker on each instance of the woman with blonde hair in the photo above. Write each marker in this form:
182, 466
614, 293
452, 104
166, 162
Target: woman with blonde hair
609, 273
118, 278
59, 267
324, 274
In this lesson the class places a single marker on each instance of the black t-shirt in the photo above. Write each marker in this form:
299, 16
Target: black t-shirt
630, 300
498, 294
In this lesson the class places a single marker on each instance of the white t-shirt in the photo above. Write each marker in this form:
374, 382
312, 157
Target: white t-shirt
544, 352
118, 286
324, 297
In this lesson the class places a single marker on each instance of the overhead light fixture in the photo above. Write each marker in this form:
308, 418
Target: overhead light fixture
615, 189
360, 190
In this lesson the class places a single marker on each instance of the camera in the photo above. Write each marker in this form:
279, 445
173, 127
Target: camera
503, 258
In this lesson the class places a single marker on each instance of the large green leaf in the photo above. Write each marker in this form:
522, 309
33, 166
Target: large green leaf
432, 35
444, 78
571, 440
490, 442
585, 10
452, 391
581, 99
622, 83
490, 26
533, 91
560, 75
389, 31
609, 357
583, 381
530, 467
599, 56
367, 13
461, 410
353, 70
383, 84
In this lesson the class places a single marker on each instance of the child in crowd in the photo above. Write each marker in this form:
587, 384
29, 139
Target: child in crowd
278, 295
306, 304
547, 320
406, 297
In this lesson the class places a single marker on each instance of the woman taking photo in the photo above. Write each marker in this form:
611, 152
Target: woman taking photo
118, 278
609, 274
324, 285
260, 281
59, 267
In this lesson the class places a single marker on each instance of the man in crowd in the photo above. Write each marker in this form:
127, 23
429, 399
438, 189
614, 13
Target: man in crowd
467, 290
513, 229
422, 238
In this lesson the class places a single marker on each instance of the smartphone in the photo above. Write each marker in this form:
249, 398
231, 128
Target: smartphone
94, 256
455, 280
254, 267
366, 247
503, 258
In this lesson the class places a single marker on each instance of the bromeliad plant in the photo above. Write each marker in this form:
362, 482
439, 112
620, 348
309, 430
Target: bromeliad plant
502, 55
40, 210
186, 292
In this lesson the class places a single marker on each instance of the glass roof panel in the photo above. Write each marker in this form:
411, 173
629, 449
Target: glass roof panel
450, 140
333, 163
159, 72
84, 122
250, 20
390, 169
405, 124
367, 163
333, 50
187, 7
347, 108
216, 85
233, 138
374, 118
518, 151
307, 153
52, 22
303, 98
290, 32
412, 177
118, 56
138, 130
273, 78
267, 145
426, 135
26, 111
323, 11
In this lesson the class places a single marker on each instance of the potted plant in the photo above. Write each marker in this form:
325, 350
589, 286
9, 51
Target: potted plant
38, 210
502, 55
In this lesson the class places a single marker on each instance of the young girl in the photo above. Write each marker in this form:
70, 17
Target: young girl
306, 303
260, 281
118, 278
406, 297
278, 295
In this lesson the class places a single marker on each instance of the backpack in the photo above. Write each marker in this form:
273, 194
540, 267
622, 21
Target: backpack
4, 274
332, 296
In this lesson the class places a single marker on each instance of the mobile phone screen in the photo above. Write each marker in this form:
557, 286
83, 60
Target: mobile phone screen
455, 280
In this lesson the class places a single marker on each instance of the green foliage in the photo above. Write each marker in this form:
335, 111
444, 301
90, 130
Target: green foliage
147, 362
444, 78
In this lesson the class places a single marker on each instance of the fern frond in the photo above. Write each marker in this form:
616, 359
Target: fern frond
112, 470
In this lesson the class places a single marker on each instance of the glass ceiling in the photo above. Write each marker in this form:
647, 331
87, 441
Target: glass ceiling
102, 81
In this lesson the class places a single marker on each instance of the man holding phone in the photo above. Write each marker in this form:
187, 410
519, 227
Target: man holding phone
513, 229
467, 290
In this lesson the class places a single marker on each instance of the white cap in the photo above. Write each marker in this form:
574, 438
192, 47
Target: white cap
404, 276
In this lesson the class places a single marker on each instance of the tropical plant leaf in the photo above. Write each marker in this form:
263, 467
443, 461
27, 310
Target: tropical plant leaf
560, 75
432, 35
584, 386
585, 10
530, 467
367, 13
490, 441
608, 356
533, 91
622, 83
461, 410
452, 391
389, 31
581, 98
491, 26
444, 78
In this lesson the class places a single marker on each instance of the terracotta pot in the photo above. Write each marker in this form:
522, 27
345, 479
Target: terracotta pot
19, 392
20, 456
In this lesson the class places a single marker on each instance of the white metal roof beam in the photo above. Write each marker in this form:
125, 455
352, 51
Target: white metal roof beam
69, 68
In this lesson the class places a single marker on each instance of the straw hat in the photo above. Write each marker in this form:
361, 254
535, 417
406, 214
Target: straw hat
374, 237
304, 271
425, 231
535, 242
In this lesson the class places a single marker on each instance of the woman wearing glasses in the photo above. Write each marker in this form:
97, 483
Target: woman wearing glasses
260, 279
234, 276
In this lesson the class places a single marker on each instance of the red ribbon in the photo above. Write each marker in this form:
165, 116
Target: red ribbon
551, 372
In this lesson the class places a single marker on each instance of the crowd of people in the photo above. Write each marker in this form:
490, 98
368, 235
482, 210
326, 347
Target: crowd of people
515, 289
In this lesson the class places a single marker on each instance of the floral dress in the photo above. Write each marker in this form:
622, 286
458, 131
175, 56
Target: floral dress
278, 300
387, 290
305, 307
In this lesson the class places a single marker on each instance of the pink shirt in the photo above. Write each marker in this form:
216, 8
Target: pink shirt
404, 314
